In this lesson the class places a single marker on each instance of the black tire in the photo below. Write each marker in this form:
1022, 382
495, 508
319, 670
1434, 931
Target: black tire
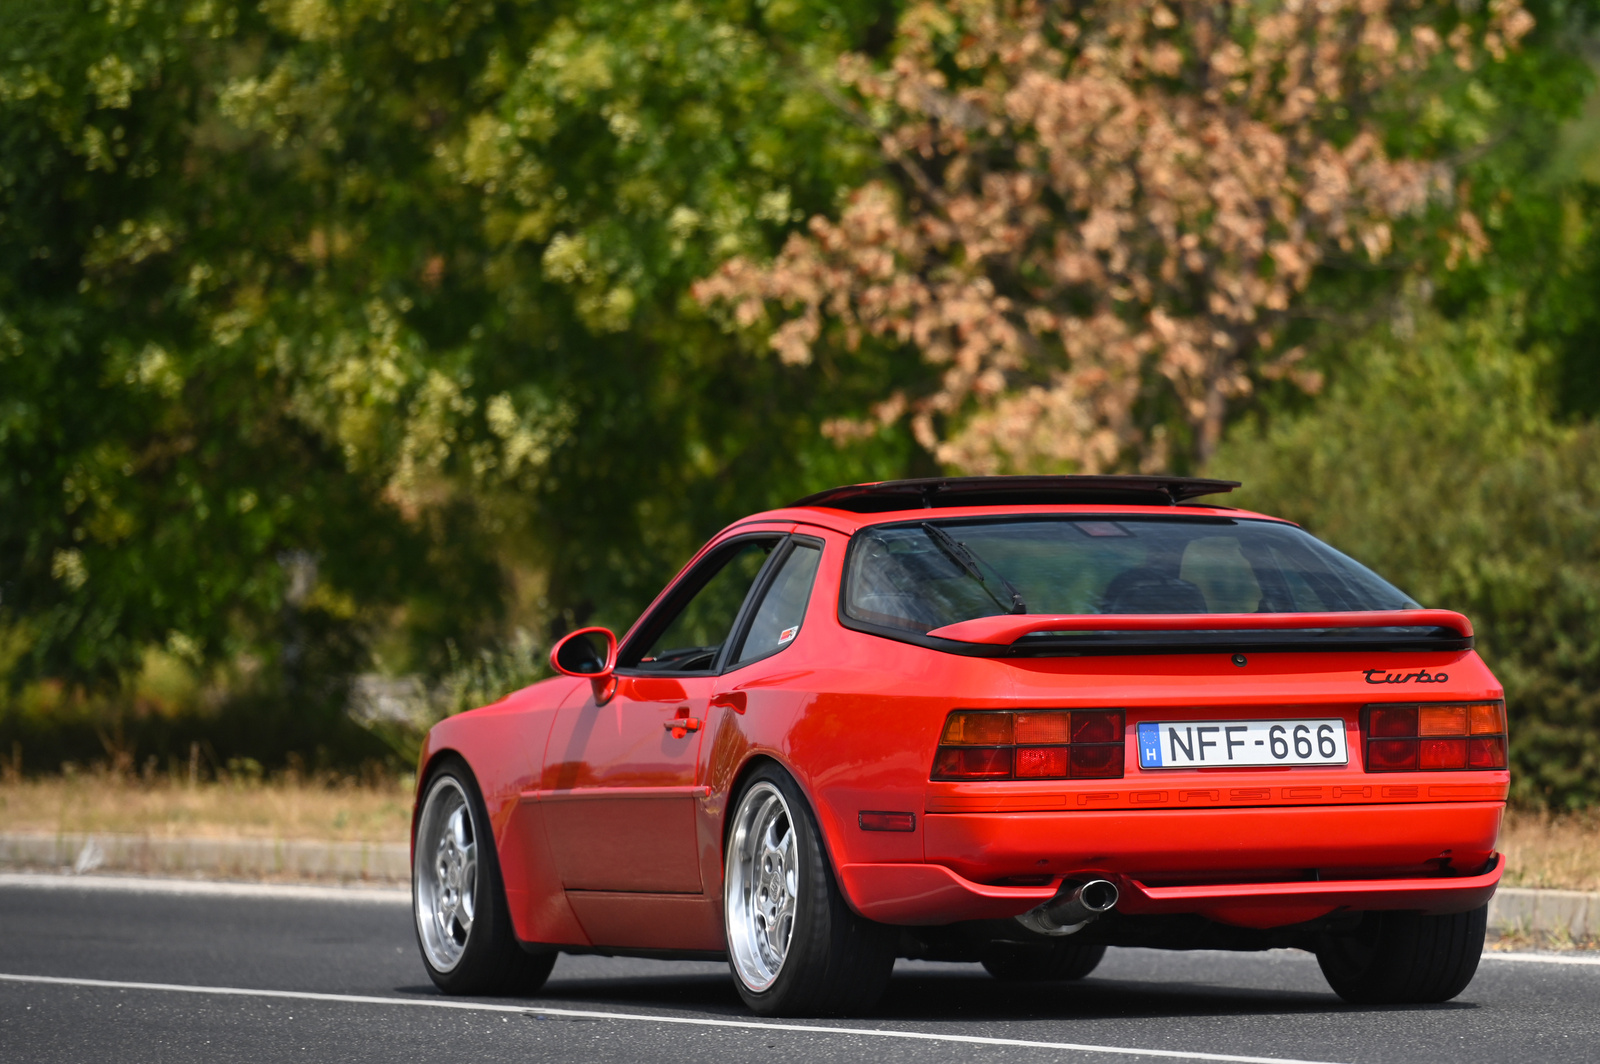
1405, 958
837, 963
1045, 962
491, 962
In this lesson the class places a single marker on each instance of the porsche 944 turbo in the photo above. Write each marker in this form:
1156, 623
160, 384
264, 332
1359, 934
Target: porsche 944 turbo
1005, 720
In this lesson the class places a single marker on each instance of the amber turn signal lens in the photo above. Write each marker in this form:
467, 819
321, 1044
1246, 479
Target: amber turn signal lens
1489, 719
977, 729
1044, 727
1442, 720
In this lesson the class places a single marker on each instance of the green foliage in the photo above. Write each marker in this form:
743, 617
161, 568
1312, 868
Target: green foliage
399, 287
1434, 457
339, 330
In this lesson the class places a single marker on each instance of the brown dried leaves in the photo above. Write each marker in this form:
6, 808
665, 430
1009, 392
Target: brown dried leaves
1105, 212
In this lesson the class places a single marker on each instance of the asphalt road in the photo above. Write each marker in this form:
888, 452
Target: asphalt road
309, 978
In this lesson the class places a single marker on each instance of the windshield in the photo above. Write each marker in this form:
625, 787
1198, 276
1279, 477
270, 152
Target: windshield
926, 575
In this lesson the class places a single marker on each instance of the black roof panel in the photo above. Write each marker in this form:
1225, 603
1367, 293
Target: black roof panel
890, 495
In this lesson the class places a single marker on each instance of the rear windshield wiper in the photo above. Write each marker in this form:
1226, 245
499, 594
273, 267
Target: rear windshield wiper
968, 559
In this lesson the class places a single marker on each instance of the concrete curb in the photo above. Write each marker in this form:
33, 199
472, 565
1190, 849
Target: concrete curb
1572, 913
342, 862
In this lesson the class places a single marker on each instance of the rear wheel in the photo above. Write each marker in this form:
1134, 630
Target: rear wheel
1405, 958
795, 946
1044, 962
458, 900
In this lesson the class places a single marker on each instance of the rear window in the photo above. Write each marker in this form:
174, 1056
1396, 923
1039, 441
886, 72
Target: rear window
921, 576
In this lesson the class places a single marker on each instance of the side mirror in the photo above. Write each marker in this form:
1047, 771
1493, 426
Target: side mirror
589, 652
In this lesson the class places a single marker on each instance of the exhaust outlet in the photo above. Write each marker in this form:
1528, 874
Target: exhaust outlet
1074, 908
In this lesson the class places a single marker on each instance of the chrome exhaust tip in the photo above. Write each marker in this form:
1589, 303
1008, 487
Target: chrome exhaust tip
1072, 909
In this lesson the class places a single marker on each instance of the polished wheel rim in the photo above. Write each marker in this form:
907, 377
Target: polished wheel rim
445, 877
762, 886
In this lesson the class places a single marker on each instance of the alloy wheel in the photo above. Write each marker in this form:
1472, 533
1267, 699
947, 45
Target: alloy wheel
445, 876
761, 892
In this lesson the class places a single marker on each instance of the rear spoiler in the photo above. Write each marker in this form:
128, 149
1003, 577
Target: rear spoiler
1008, 628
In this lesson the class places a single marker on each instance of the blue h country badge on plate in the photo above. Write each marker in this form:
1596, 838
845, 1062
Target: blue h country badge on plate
1149, 746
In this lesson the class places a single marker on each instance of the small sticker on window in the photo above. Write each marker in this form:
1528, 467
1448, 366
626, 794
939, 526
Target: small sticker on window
1101, 528
788, 634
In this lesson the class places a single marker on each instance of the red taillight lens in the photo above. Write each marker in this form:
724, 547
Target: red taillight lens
1096, 726
1041, 762
1097, 762
1392, 722
1030, 745
880, 820
1391, 755
1436, 738
972, 763
1443, 753
1487, 753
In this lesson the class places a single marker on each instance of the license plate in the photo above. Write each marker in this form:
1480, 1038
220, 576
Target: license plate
1220, 743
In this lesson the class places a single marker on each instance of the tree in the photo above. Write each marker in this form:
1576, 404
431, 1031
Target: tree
395, 289
1096, 227
1435, 458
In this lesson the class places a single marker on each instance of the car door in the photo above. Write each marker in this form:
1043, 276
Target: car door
620, 779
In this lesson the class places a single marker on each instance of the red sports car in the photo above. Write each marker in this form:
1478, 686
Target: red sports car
1007, 720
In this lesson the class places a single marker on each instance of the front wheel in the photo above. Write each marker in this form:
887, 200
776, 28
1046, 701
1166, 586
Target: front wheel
795, 947
463, 923
1405, 958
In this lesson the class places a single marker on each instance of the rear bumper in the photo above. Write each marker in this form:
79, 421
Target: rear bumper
1278, 904
922, 894
1245, 845
1253, 851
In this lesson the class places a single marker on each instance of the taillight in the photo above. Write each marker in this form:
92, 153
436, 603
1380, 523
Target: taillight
1035, 744
1436, 738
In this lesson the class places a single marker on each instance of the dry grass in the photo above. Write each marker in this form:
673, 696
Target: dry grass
1524, 941
1562, 852
1541, 850
377, 810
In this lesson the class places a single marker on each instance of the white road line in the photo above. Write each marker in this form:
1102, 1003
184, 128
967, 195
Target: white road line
1544, 958
191, 887
693, 1021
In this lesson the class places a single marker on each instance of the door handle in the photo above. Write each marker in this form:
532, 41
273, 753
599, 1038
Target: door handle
681, 726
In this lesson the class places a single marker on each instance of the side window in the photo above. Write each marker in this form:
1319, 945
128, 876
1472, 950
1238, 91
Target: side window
777, 621
691, 640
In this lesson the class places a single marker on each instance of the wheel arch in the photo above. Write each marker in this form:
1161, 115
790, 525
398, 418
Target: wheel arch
428, 765
753, 763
